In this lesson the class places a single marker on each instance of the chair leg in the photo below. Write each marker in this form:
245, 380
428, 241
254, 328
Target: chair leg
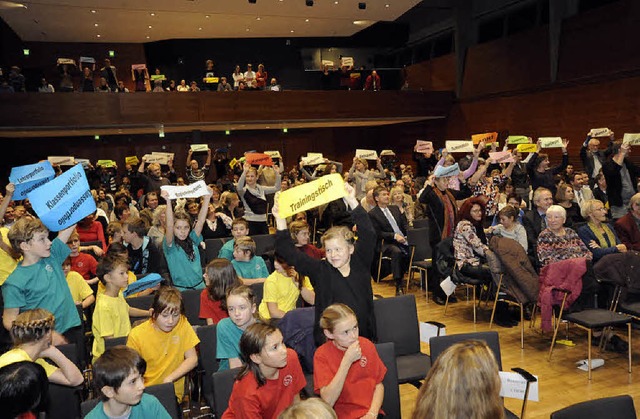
532, 322
379, 268
495, 302
409, 279
521, 326
474, 305
446, 304
589, 352
629, 341
557, 326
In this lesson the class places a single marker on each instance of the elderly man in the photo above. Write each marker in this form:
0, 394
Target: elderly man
535, 221
592, 157
153, 179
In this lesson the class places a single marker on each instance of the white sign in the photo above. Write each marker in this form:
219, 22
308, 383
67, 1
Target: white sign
273, 154
195, 190
61, 160
169, 156
366, 154
514, 385
448, 286
346, 62
387, 153
459, 146
424, 146
312, 160
428, 331
550, 142
328, 63
599, 132
631, 139
199, 147
152, 158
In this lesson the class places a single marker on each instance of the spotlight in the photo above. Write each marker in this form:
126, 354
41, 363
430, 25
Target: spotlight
362, 6
309, 3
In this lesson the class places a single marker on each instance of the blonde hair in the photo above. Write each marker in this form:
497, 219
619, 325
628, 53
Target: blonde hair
167, 298
587, 207
338, 232
334, 314
23, 230
31, 326
463, 383
157, 213
313, 407
245, 243
296, 227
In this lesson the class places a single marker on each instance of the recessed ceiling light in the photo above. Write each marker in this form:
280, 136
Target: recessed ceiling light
148, 37
335, 2
153, 14
150, 26
258, 18
386, 5
199, 29
93, 11
95, 24
247, 29
306, 20
292, 31
207, 16
98, 36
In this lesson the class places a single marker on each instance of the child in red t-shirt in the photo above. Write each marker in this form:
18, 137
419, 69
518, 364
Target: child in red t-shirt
219, 276
82, 263
270, 379
348, 372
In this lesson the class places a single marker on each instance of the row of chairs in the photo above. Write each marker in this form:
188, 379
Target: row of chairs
265, 245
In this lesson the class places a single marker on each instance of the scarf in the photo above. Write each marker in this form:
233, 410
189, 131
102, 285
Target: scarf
450, 212
188, 247
609, 241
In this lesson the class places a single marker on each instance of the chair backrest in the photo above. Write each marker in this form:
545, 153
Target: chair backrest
439, 344
421, 223
111, 342
397, 321
166, 394
258, 292
163, 392
391, 402
264, 243
70, 350
619, 407
207, 360
212, 248
191, 300
419, 237
64, 402
222, 388
143, 303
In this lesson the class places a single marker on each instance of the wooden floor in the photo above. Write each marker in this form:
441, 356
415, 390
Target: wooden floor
561, 383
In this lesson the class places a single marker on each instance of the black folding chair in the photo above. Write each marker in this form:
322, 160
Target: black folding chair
191, 300
391, 401
222, 388
619, 407
421, 256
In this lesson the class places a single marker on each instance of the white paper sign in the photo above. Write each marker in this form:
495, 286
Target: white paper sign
199, 147
599, 132
346, 62
169, 156
514, 385
328, 63
153, 158
631, 139
424, 146
312, 160
273, 154
428, 331
501, 157
61, 160
550, 142
387, 153
459, 146
195, 190
366, 154
448, 286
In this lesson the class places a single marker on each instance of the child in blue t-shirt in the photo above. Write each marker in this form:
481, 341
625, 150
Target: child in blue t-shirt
241, 306
250, 268
239, 228
38, 281
180, 245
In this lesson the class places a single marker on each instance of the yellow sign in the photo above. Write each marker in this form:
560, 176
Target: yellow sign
527, 148
106, 163
310, 195
131, 160
517, 139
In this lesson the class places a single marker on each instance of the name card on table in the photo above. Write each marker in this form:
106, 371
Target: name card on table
29, 177
527, 148
631, 139
599, 132
501, 157
366, 154
424, 146
259, 159
62, 160
487, 137
310, 195
459, 146
518, 139
550, 142
199, 147
514, 385
195, 190
63, 201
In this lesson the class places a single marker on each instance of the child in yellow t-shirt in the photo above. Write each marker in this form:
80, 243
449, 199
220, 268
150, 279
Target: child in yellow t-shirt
282, 290
81, 292
118, 250
111, 315
166, 341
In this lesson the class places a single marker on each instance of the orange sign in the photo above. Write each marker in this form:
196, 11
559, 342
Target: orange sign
259, 159
487, 137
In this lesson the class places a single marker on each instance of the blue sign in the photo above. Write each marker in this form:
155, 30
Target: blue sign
29, 177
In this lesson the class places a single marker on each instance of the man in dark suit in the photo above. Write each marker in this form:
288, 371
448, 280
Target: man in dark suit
534, 221
337, 214
627, 226
391, 226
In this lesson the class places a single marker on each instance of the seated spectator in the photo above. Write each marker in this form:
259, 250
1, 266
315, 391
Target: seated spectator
600, 190
219, 276
274, 86
158, 225
114, 233
182, 87
239, 228
17, 80
509, 227
534, 222
282, 290
470, 241
82, 263
557, 242
24, 392
300, 234
372, 82
45, 87
144, 256
250, 78
581, 191
87, 80
597, 234
103, 87
241, 307
90, 230
457, 372
312, 407
230, 205
122, 89
627, 226
250, 268
172, 86
565, 198
237, 76
81, 292
403, 201
194, 87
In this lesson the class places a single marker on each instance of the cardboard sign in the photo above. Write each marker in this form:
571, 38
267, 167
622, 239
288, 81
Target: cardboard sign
138, 66
29, 177
514, 385
550, 142
199, 147
259, 159
195, 190
310, 195
487, 137
68, 61
631, 139
459, 146
599, 132
61, 160
84, 162
328, 63
152, 158
366, 154
233, 163
387, 153
518, 139
527, 148
346, 62
209, 80
90, 60
131, 160
428, 331
275, 154
424, 146
63, 201
169, 156
313, 159
501, 157
106, 163
155, 77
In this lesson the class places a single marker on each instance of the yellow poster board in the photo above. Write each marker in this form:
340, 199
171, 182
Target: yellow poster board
311, 195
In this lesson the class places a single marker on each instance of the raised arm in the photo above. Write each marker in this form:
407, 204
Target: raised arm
188, 162
202, 215
241, 181
208, 162
168, 234
64, 235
